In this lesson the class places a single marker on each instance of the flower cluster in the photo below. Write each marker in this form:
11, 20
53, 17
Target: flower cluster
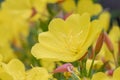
58, 40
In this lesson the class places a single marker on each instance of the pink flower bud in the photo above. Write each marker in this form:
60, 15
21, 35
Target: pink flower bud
34, 12
108, 42
99, 42
60, 1
64, 68
110, 72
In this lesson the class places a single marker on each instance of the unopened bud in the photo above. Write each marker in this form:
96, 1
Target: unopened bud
34, 12
60, 1
108, 42
92, 53
64, 68
99, 43
110, 72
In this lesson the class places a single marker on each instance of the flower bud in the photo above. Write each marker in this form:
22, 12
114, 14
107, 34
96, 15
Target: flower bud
110, 72
60, 1
64, 68
108, 42
99, 43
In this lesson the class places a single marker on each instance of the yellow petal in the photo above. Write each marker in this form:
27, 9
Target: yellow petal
16, 69
116, 74
100, 76
69, 5
5, 76
37, 73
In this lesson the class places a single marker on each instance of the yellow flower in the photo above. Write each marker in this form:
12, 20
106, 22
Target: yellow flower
67, 40
83, 6
5, 76
100, 76
15, 27
37, 73
89, 7
69, 5
115, 37
103, 76
105, 20
25, 8
6, 52
15, 70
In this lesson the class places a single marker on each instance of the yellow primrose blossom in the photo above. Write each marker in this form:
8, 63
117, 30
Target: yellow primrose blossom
103, 76
69, 5
37, 73
5, 76
15, 27
15, 70
114, 36
67, 40
33, 9
105, 20
83, 6
6, 52
100, 76
89, 7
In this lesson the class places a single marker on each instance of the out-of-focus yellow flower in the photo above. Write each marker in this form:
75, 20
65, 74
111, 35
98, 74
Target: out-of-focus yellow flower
5, 76
15, 70
100, 76
15, 27
103, 76
26, 9
63, 42
69, 6
6, 52
97, 64
116, 74
115, 37
105, 20
89, 7
37, 73
83, 6
48, 64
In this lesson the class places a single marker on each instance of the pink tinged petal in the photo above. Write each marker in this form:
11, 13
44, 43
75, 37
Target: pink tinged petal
64, 68
99, 43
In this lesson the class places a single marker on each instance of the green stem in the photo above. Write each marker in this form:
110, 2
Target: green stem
74, 76
115, 61
90, 70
